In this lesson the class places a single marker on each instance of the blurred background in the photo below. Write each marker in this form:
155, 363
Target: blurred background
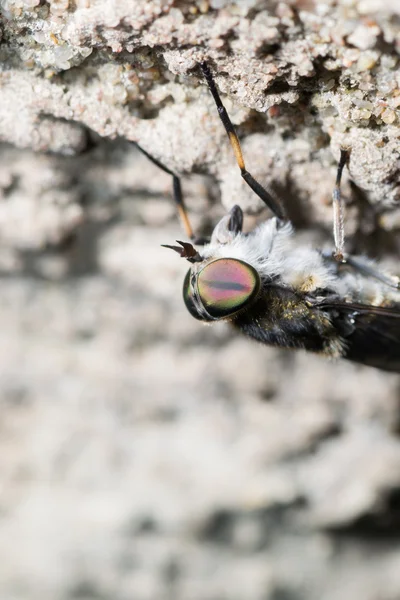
145, 455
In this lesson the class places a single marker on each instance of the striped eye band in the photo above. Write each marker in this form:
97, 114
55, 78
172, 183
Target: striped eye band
225, 286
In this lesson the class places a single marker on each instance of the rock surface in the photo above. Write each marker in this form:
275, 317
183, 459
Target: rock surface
143, 455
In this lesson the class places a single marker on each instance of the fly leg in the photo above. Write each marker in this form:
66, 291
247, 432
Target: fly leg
359, 264
177, 194
267, 196
338, 209
365, 268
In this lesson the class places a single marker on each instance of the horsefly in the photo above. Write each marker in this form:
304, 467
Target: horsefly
274, 288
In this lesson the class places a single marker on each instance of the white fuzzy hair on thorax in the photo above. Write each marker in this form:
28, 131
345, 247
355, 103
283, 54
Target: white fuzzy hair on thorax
272, 250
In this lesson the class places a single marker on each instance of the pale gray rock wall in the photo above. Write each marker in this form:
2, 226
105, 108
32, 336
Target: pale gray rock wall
142, 455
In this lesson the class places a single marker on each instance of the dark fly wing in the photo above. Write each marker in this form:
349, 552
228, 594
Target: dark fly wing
373, 337
376, 343
392, 312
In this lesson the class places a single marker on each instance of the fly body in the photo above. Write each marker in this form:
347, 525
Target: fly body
277, 290
282, 293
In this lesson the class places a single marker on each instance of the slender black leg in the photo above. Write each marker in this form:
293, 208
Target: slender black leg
267, 196
362, 266
338, 209
177, 193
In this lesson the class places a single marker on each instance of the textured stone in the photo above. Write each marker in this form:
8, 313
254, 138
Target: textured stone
142, 454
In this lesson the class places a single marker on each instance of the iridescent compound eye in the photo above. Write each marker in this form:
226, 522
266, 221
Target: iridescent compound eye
188, 298
224, 287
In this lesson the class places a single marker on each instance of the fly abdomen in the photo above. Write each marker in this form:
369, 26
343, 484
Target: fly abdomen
281, 318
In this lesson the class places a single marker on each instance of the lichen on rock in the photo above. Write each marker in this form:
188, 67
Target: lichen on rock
142, 455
